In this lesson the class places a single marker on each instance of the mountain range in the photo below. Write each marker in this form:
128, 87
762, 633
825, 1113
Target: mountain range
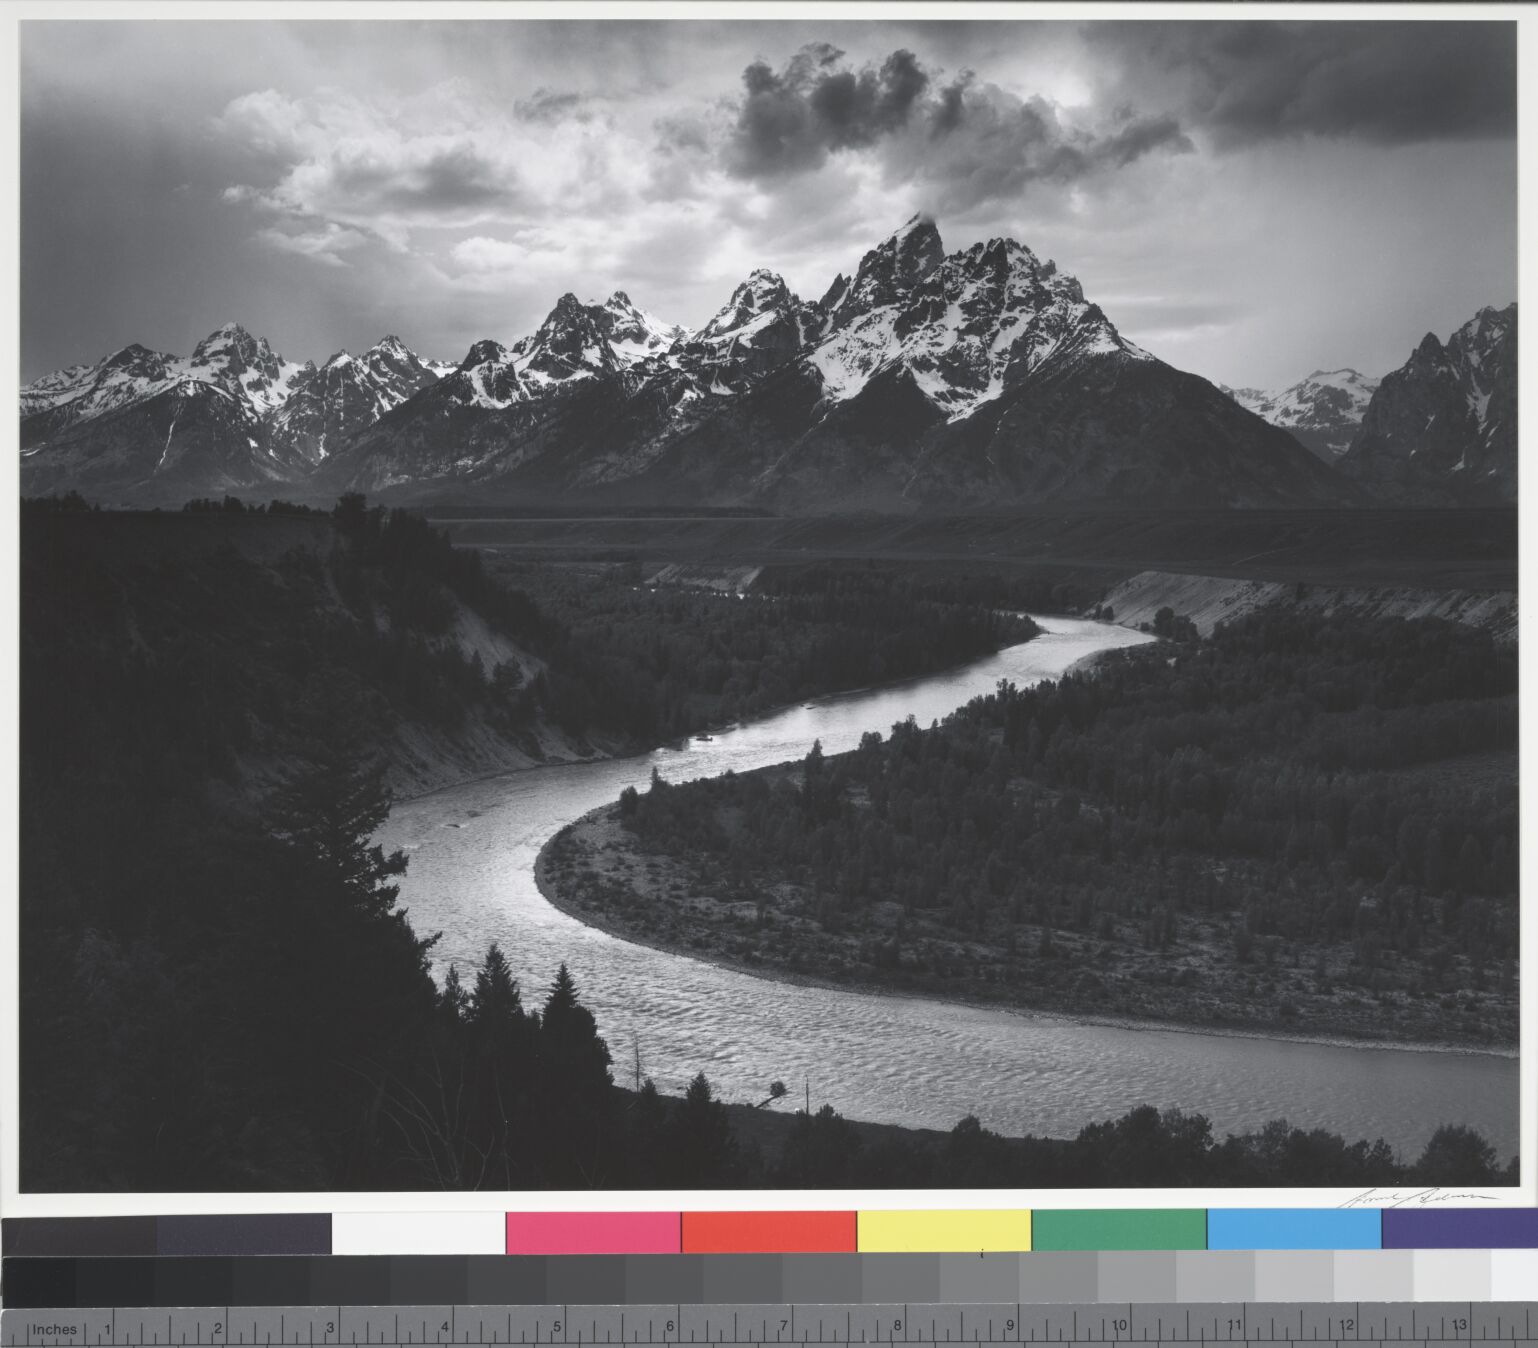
921, 379
142, 426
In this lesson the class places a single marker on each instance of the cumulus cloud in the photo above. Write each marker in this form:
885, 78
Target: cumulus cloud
479, 253
1385, 83
405, 169
790, 120
963, 135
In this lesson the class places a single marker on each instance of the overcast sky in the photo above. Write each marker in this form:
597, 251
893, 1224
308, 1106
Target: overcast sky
1248, 200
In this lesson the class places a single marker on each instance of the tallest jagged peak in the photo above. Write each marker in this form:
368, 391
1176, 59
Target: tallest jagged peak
889, 272
225, 335
922, 224
916, 247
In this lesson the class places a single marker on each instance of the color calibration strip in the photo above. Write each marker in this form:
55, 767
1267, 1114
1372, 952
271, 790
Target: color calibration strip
813, 1232
1020, 1256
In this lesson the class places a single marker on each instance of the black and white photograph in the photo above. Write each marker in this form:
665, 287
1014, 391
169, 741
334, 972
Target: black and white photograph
728, 599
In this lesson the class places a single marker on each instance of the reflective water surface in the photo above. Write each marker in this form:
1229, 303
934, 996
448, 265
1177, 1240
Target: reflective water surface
890, 1059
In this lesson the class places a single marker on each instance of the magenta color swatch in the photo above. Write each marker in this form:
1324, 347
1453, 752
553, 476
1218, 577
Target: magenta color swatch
593, 1232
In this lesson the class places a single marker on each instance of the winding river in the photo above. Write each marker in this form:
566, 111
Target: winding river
888, 1059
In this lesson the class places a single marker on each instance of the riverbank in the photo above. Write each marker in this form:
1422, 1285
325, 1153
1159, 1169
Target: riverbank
594, 871
421, 765
678, 664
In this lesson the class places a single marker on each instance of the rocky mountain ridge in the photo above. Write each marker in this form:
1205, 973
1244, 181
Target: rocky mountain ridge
1443, 427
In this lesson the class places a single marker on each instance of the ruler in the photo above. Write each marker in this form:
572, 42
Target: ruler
1441, 1325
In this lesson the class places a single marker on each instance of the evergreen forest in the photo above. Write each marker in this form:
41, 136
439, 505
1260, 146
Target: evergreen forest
1302, 822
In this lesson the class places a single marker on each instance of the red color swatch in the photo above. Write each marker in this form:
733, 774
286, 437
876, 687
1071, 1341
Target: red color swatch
770, 1233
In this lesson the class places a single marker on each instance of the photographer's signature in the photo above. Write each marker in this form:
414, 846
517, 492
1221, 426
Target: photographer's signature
1414, 1198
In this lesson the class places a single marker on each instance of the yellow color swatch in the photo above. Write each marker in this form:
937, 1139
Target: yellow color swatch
944, 1232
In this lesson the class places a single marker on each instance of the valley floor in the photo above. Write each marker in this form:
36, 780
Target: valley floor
1450, 549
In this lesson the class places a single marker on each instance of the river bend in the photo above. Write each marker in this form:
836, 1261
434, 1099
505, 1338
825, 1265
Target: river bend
884, 1058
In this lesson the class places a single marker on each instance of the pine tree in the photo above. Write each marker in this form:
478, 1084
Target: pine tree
562, 999
359, 998
496, 1005
501, 1076
576, 1118
329, 812
570, 1036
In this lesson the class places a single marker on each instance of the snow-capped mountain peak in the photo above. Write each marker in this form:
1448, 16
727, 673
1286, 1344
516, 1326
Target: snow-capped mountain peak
58, 386
229, 361
227, 336
486, 352
632, 333
754, 304
80, 392
1323, 410
136, 359
394, 363
391, 345
964, 327
1481, 353
888, 273
346, 393
761, 327
1488, 327
231, 348
568, 344
244, 366
1444, 424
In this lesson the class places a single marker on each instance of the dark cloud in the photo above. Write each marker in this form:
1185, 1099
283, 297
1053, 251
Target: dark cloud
791, 120
964, 136
949, 108
1136, 138
982, 143
453, 180
1385, 83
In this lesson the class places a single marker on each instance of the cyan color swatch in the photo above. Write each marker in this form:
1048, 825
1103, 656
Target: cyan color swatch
1294, 1229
